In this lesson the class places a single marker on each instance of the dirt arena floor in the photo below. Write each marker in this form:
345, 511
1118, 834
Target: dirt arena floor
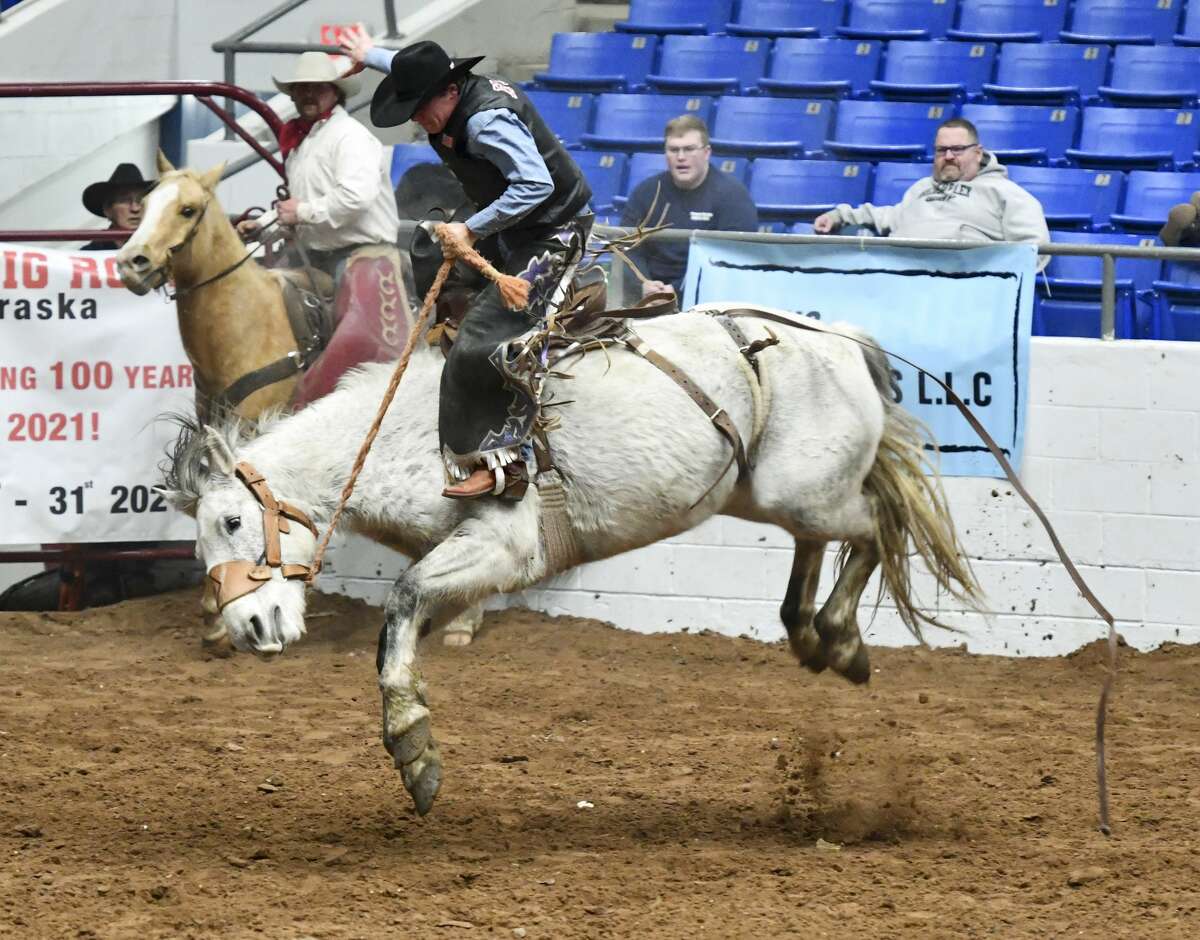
598, 784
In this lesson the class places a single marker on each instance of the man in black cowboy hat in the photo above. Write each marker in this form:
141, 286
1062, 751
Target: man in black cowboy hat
528, 190
118, 199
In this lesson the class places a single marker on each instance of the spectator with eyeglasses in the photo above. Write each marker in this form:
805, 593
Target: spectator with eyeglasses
686, 196
967, 197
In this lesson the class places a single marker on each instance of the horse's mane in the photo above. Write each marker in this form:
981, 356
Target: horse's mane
186, 468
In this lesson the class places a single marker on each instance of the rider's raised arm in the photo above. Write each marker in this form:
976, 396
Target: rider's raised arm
379, 59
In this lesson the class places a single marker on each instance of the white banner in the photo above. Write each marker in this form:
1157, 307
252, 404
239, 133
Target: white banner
86, 371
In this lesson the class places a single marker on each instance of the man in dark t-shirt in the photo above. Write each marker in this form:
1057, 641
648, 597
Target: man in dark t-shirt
692, 196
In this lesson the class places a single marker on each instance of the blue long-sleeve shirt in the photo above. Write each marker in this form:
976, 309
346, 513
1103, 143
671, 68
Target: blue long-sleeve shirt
502, 139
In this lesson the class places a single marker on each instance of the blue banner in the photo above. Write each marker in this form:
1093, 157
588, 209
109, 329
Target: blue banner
963, 316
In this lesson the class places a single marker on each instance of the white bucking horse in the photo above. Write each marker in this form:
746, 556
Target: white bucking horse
832, 458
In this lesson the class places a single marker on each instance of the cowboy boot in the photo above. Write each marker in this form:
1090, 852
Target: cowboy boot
508, 482
481, 482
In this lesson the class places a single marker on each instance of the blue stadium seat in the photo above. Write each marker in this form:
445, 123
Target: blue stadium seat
1149, 196
605, 173
1137, 138
1024, 133
1154, 76
898, 19
696, 65
1122, 21
1072, 197
886, 130
676, 16
935, 71
568, 114
1189, 33
822, 68
794, 18
805, 188
1009, 20
1068, 302
892, 181
405, 156
1048, 73
636, 122
1177, 304
780, 126
801, 228
598, 61
644, 165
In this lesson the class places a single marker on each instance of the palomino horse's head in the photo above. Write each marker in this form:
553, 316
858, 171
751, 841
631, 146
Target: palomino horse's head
172, 214
257, 549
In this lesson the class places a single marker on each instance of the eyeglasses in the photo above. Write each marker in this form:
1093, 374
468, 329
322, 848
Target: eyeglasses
685, 151
958, 150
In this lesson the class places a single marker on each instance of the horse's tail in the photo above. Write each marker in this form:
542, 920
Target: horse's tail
910, 505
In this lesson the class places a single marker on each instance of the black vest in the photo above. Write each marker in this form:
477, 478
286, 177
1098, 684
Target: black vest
482, 181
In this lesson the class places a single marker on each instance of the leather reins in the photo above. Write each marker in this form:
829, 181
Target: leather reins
234, 579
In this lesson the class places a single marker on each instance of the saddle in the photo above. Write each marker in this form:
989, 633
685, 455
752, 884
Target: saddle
370, 320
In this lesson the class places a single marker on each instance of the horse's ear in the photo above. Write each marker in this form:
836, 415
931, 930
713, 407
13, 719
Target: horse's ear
184, 502
164, 165
210, 178
220, 457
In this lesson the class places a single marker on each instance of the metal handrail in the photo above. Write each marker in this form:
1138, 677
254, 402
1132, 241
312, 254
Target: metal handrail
203, 91
231, 45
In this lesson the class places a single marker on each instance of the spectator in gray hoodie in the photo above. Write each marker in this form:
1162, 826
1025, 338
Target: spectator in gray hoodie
968, 197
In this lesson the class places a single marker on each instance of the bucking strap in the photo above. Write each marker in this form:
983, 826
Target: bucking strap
716, 414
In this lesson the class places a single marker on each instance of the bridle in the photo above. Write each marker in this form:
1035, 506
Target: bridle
163, 271
234, 579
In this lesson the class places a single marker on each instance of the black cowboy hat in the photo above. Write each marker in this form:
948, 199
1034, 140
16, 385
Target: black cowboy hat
125, 176
418, 71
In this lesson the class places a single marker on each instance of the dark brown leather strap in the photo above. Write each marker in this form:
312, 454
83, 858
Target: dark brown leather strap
716, 414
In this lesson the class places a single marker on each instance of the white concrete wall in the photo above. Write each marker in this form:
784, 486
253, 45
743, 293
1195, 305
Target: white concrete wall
89, 40
1112, 455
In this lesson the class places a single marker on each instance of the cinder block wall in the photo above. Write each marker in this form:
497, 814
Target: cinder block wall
1112, 454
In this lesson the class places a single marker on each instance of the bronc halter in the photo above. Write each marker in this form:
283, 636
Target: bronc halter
234, 579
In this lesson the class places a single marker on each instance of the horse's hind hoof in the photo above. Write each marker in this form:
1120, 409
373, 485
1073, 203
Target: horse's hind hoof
858, 670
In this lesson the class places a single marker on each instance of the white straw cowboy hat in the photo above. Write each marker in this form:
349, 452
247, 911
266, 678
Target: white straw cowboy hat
317, 67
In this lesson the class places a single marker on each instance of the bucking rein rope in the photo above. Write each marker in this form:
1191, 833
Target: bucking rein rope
515, 294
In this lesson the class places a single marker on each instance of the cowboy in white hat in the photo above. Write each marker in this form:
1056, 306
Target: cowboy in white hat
339, 178
526, 189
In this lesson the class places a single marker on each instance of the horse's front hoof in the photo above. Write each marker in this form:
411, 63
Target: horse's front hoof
218, 645
456, 638
423, 780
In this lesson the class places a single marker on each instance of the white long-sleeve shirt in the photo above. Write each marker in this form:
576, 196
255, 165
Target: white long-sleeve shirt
343, 183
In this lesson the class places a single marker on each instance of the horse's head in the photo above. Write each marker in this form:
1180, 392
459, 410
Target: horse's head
172, 214
257, 548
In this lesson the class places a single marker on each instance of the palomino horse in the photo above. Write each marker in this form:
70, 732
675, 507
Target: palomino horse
832, 457
231, 324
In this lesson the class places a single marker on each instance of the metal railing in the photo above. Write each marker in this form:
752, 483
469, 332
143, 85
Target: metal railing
1107, 254
231, 45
